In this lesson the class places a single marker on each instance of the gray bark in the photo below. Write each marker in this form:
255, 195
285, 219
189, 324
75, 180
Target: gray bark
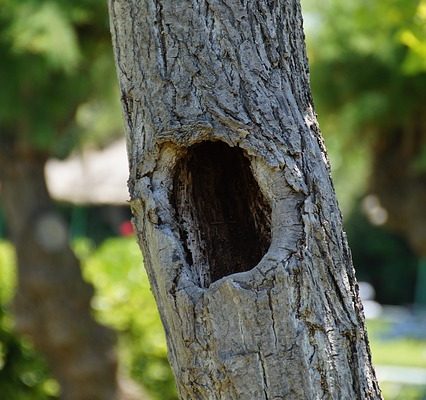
233, 203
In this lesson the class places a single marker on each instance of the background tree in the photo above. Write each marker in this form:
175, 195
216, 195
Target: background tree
233, 203
55, 66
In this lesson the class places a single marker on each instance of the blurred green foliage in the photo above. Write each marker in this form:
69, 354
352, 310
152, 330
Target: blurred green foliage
123, 300
368, 73
364, 67
58, 86
414, 37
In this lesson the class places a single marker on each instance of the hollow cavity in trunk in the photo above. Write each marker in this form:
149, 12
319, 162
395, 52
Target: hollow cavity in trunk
223, 217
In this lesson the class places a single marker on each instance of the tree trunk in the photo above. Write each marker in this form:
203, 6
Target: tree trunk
233, 203
399, 184
52, 305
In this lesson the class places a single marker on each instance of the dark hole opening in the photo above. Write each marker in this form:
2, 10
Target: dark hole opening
223, 217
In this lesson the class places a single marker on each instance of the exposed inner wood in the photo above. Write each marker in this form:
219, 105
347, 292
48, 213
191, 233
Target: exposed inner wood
223, 216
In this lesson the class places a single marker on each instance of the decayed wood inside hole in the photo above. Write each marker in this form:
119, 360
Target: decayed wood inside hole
223, 217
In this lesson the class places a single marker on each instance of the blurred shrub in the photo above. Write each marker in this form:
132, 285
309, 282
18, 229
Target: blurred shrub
124, 301
23, 373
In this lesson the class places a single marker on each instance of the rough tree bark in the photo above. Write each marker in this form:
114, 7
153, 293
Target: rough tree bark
233, 203
52, 305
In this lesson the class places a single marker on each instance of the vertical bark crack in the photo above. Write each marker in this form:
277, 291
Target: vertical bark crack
264, 377
161, 35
